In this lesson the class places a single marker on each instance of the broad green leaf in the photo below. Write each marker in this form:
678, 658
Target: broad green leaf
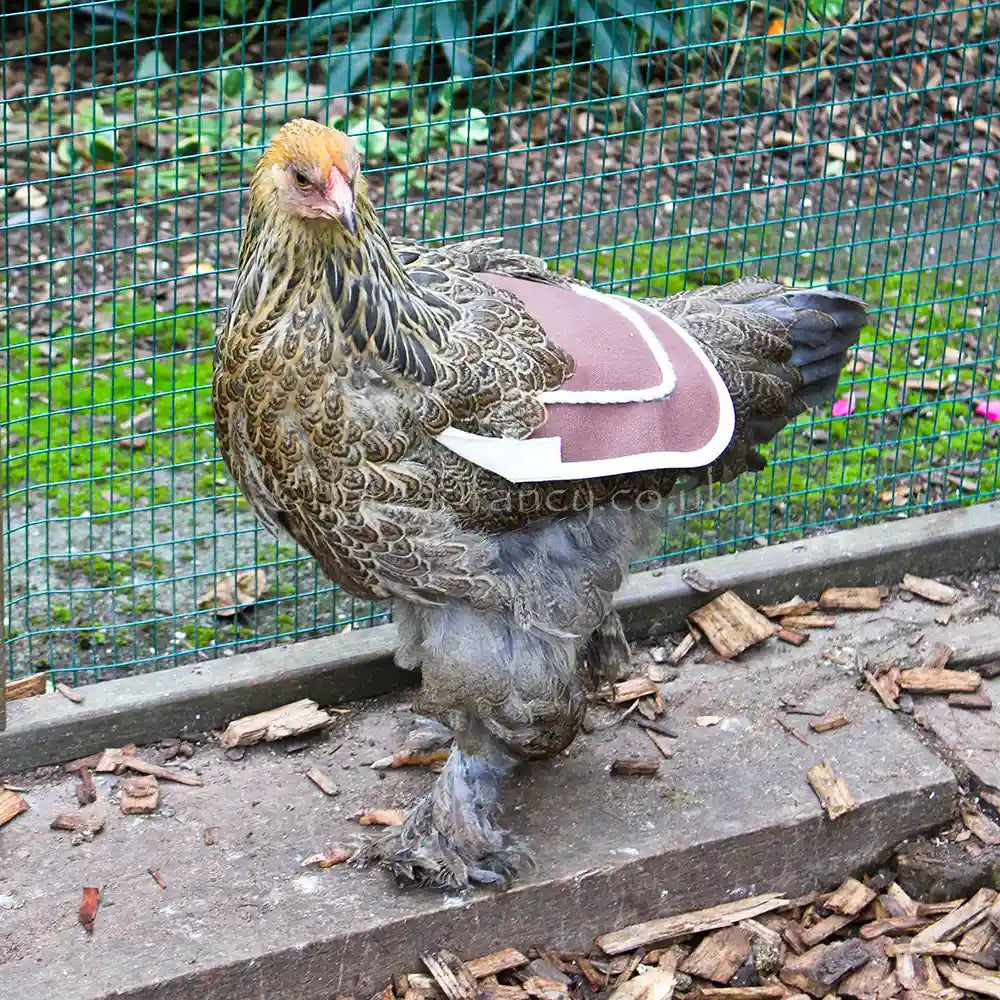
236, 83
349, 61
473, 129
455, 35
371, 136
285, 83
412, 37
327, 15
152, 66
529, 39
827, 10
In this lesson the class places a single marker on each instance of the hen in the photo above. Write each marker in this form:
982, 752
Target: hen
487, 442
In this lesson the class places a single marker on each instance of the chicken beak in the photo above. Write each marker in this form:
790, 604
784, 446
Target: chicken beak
340, 205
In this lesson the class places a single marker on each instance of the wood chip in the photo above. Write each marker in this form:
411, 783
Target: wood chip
899, 903
793, 636
939, 657
892, 926
139, 795
322, 781
86, 792
303, 716
852, 599
981, 827
661, 744
739, 992
157, 877
695, 922
707, 721
683, 648
718, 955
68, 693
635, 687
731, 625
382, 817
11, 805
497, 961
89, 820
988, 986
830, 721
820, 969
88, 908
796, 606
960, 919
451, 974
864, 982
896, 948
130, 763
634, 766
930, 590
210, 835
653, 984
832, 791
817, 933
918, 972
886, 686
921, 680
110, 761
974, 701
808, 621
850, 897
25, 687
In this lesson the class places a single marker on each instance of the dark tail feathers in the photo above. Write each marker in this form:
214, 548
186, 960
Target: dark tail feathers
827, 325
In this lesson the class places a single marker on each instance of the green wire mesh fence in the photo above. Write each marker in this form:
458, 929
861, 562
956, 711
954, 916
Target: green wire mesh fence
646, 145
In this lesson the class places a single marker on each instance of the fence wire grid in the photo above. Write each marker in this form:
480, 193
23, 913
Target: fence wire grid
645, 145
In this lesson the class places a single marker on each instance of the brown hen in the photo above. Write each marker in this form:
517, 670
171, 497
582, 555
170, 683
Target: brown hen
487, 442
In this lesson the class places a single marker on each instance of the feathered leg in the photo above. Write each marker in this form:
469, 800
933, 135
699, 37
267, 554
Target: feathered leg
510, 682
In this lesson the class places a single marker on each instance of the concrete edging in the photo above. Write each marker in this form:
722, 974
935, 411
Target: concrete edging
147, 707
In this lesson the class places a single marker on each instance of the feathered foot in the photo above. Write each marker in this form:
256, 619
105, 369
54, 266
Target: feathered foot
450, 840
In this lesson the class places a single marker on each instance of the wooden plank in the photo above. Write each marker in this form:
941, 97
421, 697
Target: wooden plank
731, 625
294, 719
25, 687
694, 922
831, 790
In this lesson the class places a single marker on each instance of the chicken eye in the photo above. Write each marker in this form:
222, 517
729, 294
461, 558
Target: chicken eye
301, 180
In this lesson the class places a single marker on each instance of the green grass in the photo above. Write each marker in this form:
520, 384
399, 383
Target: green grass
71, 401
902, 449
